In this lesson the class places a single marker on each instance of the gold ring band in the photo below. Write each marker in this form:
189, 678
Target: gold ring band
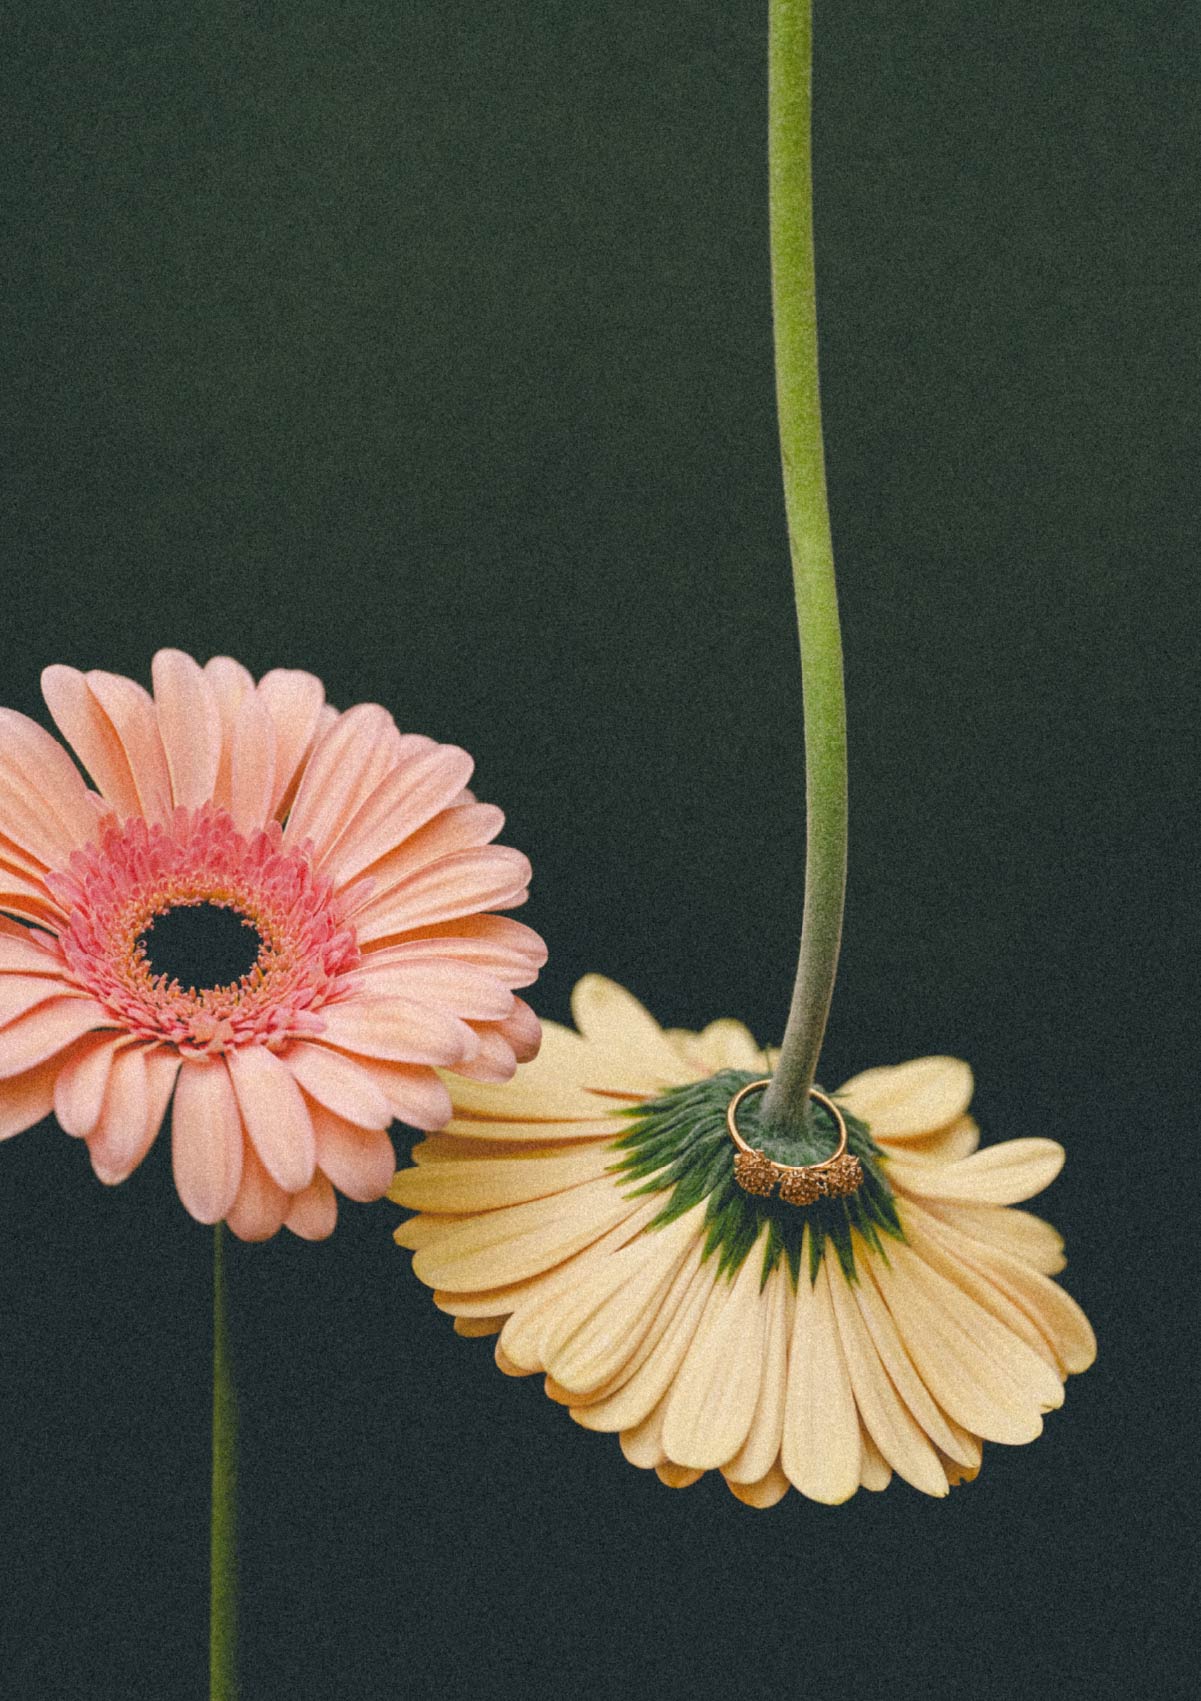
800, 1184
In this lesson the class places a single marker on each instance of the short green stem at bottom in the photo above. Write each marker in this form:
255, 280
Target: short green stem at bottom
223, 1551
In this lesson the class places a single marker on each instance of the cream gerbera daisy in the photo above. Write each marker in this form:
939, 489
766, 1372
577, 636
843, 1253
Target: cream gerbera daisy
587, 1213
272, 914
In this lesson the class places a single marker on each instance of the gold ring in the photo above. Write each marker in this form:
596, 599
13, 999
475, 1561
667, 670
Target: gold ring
800, 1184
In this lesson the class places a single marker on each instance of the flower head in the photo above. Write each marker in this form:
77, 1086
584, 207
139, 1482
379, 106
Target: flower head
587, 1214
268, 915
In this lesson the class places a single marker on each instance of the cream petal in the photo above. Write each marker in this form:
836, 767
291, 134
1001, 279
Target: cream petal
609, 1312
768, 1491
487, 1130
819, 1445
945, 1145
757, 1458
473, 1327
339, 1083
982, 1374
81, 1080
486, 1185
27, 1098
48, 1029
466, 991
642, 1444
521, 1240
713, 1398
875, 1473
130, 712
124, 1132
890, 1350
727, 1044
611, 1018
493, 877
1019, 1233
397, 1030
258, 1211
252, 759
1001, 1282
44, 805
189, 723
206, 1139
643, 1393
547, 1090
313, 1213
359, 1161
909, 1099
87, 729
294, 700
677, 1476
999, 1175
347, 763
274, 1112
420, 788
892, 1427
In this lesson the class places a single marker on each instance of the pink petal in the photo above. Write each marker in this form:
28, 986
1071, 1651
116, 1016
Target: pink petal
523, 1031
81, 1082
124, 1133
274, 1112
313, 1213
230, 682
347, 764
294, 701
409, 797
130, 711
20, 953
414, 1095
465, 827
338, 1083
162, 1066
252, 765
19, 994
258, 1211
460, 884
468, 992
27, 1098
48, 785
206, 1139
47, 1030
494, 1061
510, 949
25, 896
88, 730
359, 1161
397, 1030
189, 723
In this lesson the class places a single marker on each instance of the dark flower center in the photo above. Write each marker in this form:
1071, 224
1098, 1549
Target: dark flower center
201, 946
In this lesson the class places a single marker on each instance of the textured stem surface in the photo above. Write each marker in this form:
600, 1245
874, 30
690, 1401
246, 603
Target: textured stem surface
794, 312
223, 1551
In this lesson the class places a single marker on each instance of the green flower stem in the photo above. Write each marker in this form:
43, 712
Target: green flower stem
794, 307
223, 1551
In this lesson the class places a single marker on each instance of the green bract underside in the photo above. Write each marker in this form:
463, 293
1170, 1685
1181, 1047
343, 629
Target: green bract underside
680, 1145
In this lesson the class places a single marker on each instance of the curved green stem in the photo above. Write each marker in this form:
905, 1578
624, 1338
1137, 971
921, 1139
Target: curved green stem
794, 310
223, 1550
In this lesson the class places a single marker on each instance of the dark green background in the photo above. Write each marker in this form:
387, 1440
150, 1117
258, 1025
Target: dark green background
427, 346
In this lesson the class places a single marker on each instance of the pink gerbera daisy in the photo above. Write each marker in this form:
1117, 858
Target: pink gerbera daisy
270, 916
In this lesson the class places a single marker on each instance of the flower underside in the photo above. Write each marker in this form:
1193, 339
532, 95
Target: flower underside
680, 1143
